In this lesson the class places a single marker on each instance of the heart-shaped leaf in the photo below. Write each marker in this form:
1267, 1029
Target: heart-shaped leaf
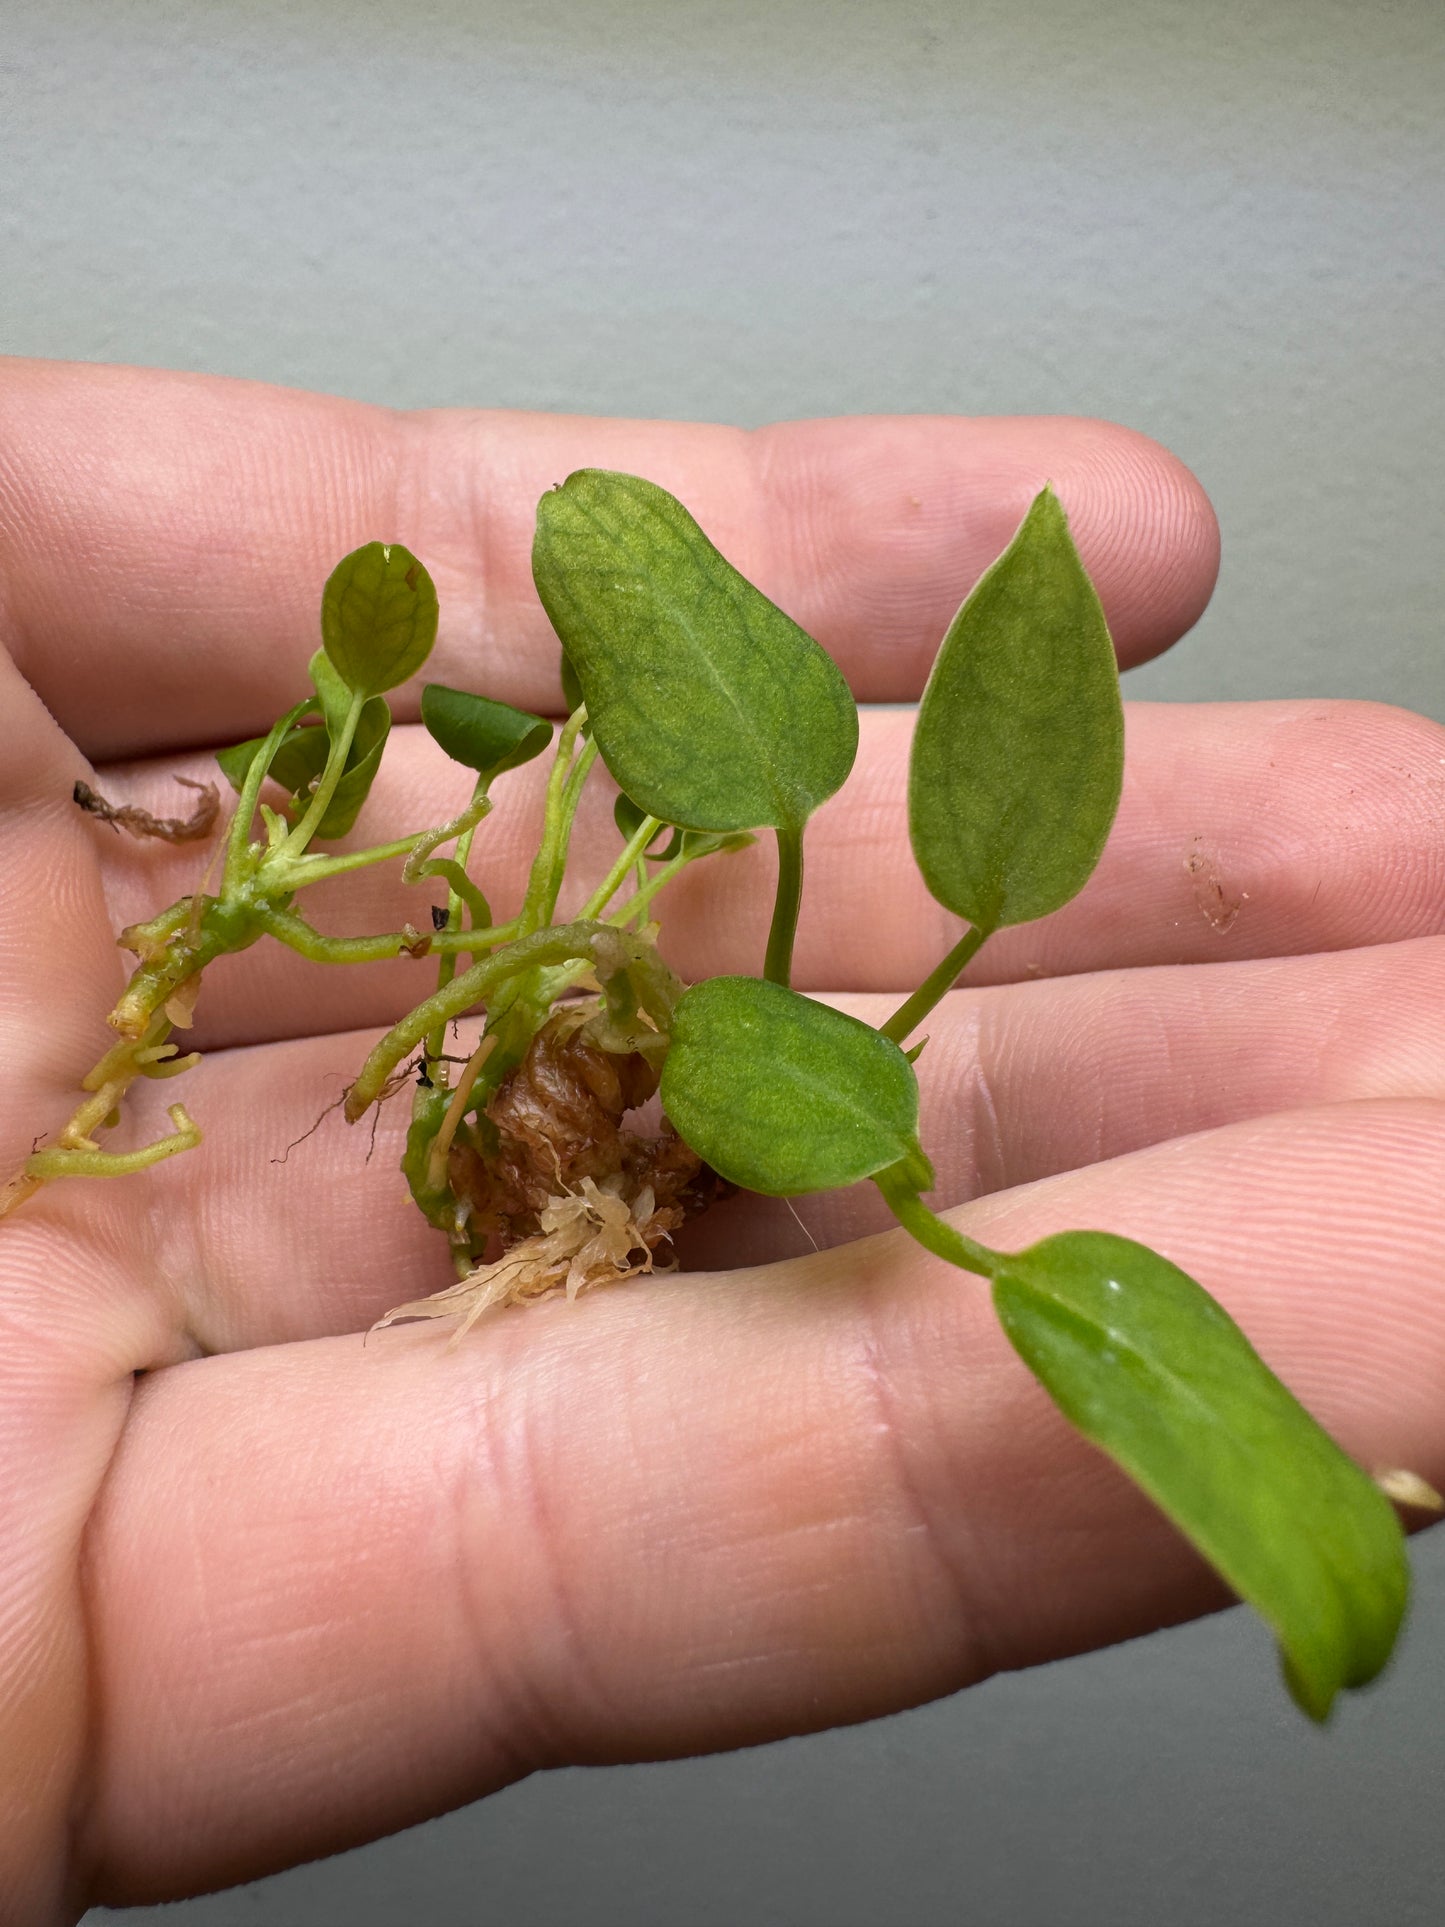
1018, 755
1148, 1366
482, 735
783, 1095
712, 709
378, 617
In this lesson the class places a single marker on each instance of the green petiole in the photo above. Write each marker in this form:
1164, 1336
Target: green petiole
899, 1185
778, 964
632, 854
332, 774
935, 986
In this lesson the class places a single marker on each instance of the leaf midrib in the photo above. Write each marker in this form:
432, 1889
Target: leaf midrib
1166, 1376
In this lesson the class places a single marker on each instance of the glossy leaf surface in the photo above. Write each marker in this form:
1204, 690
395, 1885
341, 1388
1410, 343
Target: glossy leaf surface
1148, 1366
1018, 754
482, 735
712, 709
783, 1095
378, 617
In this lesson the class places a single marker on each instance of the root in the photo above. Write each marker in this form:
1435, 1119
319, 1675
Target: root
589, 1237
335, 1105
140, 823
572, 1198
558, 1121
76, 1153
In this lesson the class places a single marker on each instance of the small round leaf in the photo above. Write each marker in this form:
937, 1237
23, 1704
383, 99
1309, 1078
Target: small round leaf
378, 617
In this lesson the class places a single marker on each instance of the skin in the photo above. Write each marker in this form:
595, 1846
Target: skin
267, 1593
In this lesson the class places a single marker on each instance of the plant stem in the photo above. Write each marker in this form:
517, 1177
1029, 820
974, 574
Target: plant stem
332, 774
615, 878
642, 897
456, 896
910, 1015
300, 936
240, 833
778, 964
313, 869
900, 1192
561, 806
76, 1153
557, 944
453, 870
442, 1143
92, 1162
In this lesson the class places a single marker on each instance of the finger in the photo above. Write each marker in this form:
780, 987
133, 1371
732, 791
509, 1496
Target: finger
335, 1591
287, 1224
1246, 830
164, 539
57, 949
1023, 1082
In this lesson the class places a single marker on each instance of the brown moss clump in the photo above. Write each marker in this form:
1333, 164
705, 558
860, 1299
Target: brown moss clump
570, 1197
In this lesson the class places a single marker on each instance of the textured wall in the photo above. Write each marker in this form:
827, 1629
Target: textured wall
1219, 222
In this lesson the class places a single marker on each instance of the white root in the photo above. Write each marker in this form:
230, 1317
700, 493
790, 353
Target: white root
589, 1237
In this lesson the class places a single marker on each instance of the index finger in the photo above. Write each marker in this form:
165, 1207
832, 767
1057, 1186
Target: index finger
164, 538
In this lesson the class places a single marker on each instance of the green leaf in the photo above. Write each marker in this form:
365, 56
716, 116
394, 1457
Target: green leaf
1148, 1366
299, 758
302, 755
482, 735
331, 692
1018, 756
629, 819
783, 1095
571, 688
378, 617
712, 709
362, 762
236, 761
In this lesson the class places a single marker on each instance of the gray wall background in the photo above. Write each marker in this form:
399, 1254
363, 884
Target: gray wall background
1218, 222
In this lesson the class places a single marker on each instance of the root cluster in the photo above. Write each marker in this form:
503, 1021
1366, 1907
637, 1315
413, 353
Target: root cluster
570, 1197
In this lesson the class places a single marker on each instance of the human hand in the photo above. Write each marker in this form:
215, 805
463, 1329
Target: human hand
282, 1594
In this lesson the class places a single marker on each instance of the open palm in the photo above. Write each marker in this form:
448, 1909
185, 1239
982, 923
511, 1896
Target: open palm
266, 1593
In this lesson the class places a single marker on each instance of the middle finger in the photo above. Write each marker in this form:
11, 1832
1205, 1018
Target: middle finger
1246, 830
280, 1231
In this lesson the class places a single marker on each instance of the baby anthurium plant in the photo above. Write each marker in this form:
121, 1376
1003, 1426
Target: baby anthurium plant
718, 717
